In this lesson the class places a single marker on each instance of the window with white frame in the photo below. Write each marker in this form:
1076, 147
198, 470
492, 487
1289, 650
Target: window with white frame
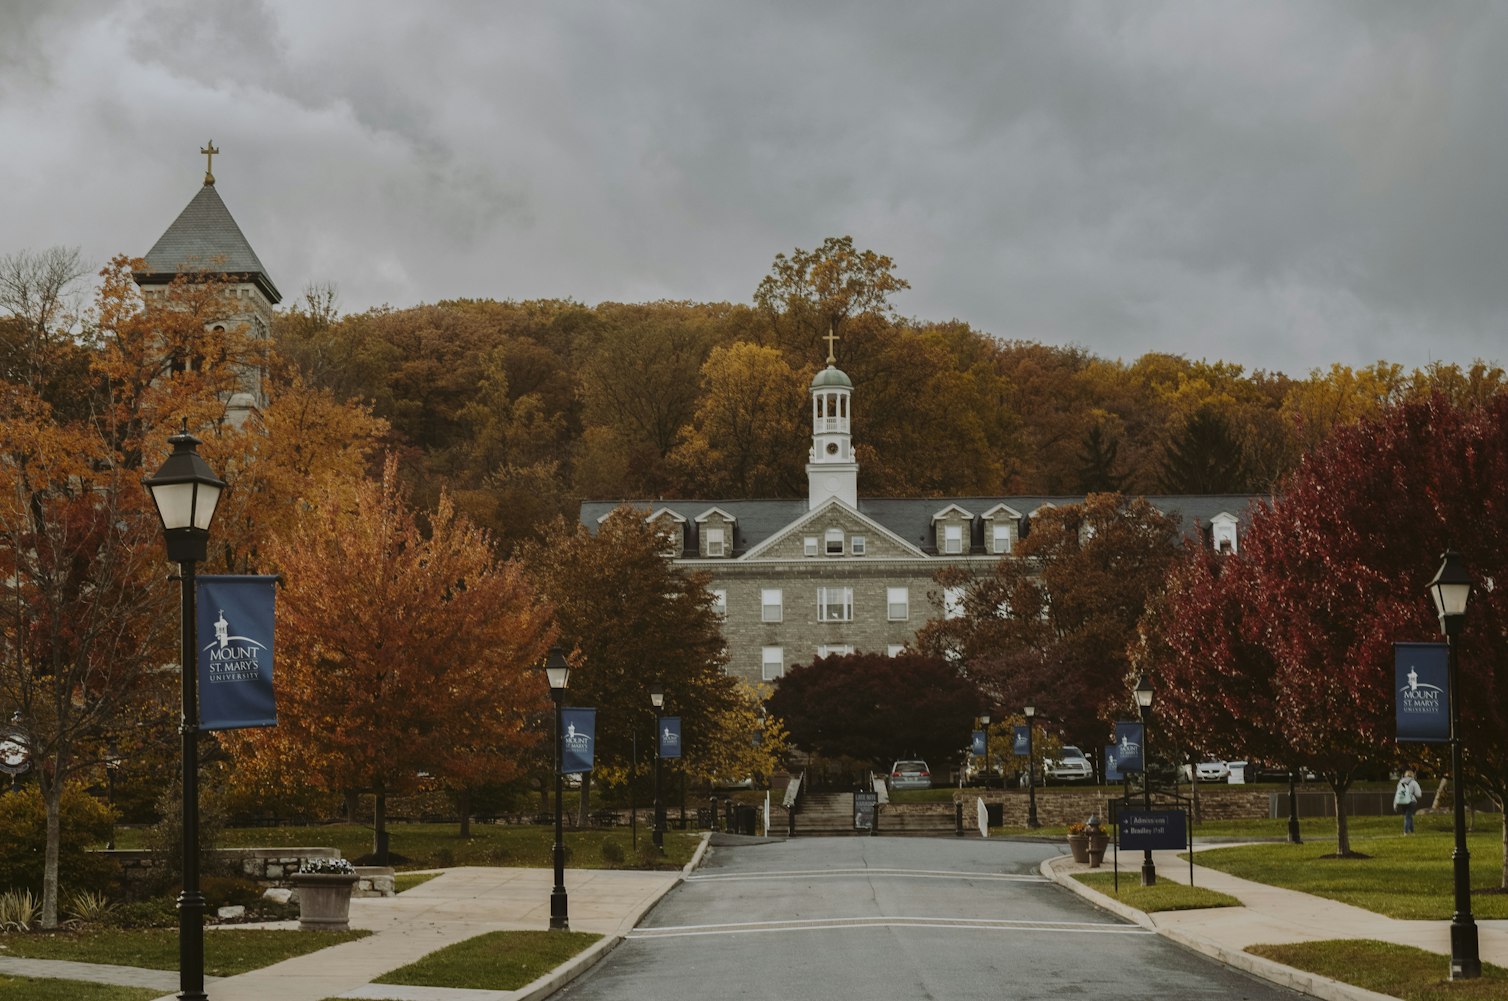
897, 604
720, 602
856, 545
952, 602
834, 538
715, 541
835, 650
834, 604
771, 662
895, 649
952, 538
809, 545
1000, 538
771, 605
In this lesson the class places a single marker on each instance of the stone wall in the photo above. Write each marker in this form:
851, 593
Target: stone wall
265, 865
1060, 808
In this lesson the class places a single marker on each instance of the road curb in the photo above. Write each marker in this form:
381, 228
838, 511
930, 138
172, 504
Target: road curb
583, 961
1311, 984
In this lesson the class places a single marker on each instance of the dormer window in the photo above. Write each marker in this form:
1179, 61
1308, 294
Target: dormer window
834, 540
1000, 538
715, 544
1223, 533
952, 539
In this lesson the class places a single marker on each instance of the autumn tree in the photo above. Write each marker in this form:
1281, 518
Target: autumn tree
877, 708
401, 651
809, 294
633, 618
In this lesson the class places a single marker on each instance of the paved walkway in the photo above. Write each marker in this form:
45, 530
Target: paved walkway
1272, 916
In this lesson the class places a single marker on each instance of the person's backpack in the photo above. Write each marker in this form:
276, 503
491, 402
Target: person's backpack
1401, 798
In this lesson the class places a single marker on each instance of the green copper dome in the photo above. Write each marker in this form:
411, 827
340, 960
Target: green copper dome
830, 378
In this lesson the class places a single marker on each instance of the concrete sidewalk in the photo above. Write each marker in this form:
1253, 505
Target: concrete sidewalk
1271, 915
456, 905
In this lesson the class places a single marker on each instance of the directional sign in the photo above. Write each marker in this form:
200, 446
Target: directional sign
1153, 829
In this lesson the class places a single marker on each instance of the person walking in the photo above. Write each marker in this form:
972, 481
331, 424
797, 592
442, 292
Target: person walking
1407, 799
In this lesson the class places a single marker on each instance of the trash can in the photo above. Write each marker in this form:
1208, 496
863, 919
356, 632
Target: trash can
745, 818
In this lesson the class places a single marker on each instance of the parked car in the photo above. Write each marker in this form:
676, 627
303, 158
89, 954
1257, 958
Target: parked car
1069, 766
910, 775
1212, 771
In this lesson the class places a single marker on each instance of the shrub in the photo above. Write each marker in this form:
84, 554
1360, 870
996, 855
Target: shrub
443, 858
18, 910
92, 908
228, 891
164, 839
612, 853
85, 821
154, 912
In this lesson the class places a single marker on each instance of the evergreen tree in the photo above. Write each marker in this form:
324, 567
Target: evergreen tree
1205, 458
1097, 473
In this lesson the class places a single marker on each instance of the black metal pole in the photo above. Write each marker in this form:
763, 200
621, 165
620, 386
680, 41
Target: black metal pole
1031, 779
987, 775
559, 914
110, 802
1293, 807
1148, 870
659, 829
1465, 960
190, 901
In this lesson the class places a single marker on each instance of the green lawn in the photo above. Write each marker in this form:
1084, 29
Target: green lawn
498, 961
1405, 877
437, 846
408, 880
1400, 971
48, 989
226, 951
1164, 895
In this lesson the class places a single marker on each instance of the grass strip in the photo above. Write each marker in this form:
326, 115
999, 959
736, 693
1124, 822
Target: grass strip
496, 961
227, 952
408, 880
1162, 896
49, 989
1402, 877
1401, 971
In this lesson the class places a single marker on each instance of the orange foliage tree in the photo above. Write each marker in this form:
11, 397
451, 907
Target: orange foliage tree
400, 652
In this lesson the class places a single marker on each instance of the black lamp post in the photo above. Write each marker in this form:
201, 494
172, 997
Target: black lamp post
984, 721
657, 699
1030, 712
1451, 589
1293, 807
1144, 712
112, 763
185, 492
558, 671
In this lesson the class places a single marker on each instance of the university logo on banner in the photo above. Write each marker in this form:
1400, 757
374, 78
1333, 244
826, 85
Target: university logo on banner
977, 747
578, 740
1020, 738
1129, 743
670, 736
235, 617
1112, 763
1421, 677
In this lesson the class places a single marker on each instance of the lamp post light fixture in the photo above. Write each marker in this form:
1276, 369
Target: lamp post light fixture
1143, 712
558, 672
1030, 712
984, 721
185, 493
657, 699
1451, 589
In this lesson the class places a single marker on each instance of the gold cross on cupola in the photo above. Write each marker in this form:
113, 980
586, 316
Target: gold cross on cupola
209, 161
831, 336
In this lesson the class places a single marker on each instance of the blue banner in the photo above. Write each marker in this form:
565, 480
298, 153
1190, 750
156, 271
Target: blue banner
670, 736
235, 624
1020, 738
1112, 764
978, 746
1421, 677
1140, 830
1129, 747
578, 740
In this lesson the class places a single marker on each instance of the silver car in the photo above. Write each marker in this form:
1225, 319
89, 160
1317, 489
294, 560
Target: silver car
910, 775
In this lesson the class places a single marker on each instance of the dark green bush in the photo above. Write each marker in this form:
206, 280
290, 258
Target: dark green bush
229, 891
84, 822
612, 853
153, 912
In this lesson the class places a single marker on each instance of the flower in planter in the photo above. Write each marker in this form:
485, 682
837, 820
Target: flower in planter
1077, 827
326, 866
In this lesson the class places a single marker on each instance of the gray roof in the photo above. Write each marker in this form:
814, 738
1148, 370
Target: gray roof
205, 237
911, 517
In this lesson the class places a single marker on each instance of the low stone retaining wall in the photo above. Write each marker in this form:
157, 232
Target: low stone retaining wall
374, 881
265, 865
1061, 807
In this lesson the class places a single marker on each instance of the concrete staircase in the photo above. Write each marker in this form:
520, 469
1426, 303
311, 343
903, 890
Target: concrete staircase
825, 814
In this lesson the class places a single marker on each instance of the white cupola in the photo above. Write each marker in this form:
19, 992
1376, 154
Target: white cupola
831, 470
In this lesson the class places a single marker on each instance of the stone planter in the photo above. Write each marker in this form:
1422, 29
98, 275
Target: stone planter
1079, 845
1098, 842
324, 900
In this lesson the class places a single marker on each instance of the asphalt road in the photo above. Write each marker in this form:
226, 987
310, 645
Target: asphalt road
876, 919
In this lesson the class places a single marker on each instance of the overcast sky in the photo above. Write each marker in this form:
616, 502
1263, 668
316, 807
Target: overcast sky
1282, 185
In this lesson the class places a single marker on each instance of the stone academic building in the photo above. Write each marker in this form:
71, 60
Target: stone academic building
835, 573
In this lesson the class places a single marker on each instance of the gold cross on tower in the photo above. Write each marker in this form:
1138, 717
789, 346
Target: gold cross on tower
209, 161
832, 335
